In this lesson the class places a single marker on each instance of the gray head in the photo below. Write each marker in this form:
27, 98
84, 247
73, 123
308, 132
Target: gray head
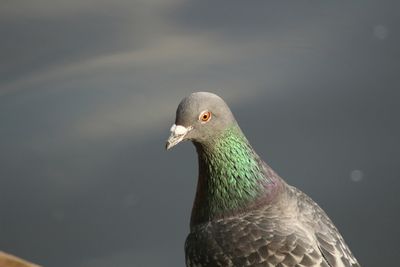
200, 117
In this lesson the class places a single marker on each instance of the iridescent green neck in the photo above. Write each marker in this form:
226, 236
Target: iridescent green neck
231, 176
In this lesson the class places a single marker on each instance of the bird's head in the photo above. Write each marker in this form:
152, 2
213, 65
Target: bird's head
200, 117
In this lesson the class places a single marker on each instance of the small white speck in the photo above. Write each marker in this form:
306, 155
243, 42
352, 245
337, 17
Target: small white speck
58, 215
356, 175
130, 200
380, 32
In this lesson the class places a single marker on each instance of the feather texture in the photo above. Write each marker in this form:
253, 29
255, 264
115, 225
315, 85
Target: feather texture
244, 214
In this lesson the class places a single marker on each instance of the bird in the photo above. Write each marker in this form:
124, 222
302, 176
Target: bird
244, 213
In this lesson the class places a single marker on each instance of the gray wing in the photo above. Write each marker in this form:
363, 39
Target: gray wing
302, 235
201, 250
329, 241
251, 241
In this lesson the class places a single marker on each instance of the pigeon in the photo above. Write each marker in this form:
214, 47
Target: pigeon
244, 213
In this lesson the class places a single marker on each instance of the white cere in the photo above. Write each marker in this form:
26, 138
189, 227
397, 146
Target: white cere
179, 129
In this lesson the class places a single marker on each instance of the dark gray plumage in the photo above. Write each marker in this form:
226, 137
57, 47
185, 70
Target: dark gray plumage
244, 214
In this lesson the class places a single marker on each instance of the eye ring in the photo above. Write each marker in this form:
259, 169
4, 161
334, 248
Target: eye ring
205, 116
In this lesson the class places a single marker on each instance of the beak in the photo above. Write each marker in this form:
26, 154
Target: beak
178, 132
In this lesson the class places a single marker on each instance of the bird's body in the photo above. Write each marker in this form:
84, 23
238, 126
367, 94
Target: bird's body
244, 214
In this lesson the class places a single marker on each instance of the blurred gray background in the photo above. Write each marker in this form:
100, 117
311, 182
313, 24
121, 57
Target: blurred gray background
88, 92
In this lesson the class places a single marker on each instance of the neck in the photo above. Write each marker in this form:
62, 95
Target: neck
232, 177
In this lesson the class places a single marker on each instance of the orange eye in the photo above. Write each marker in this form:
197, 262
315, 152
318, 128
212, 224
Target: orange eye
205, 116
